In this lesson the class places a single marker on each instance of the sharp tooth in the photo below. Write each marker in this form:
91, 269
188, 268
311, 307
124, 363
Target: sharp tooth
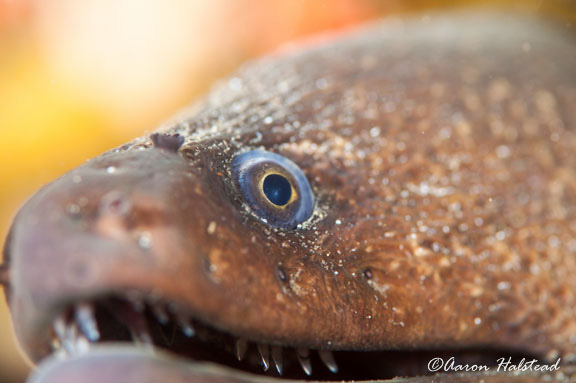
160, 313
187, 329
304, 359
55, 343
264, 352
241, 347
277, 358
87, 322
185, 325
328, 359
82, 345
70, 338
60, 328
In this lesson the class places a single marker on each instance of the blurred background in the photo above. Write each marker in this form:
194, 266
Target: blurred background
78, 77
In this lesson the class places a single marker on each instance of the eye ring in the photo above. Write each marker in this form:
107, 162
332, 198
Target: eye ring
274, 188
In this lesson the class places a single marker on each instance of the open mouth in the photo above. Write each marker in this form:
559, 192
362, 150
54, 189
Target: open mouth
157, 324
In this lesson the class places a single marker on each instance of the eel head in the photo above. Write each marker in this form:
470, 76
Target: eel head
414, 244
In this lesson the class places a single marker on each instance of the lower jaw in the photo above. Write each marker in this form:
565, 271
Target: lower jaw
121, 362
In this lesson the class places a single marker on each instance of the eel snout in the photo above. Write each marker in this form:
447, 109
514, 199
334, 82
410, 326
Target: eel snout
116, 226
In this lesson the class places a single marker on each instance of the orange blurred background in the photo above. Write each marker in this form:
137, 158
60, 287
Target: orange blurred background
78, 77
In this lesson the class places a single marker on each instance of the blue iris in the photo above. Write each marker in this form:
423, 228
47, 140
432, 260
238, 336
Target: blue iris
274, 188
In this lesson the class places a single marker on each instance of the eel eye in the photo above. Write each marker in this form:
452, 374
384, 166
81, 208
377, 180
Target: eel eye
274, 187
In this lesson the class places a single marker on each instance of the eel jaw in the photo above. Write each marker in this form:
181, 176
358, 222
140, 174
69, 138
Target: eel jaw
152, 324
160, 342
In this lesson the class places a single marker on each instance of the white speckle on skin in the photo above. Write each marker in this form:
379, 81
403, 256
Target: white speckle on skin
73, 208
111, 169
211, 227
380, 288
501, 235
554, 241
294, 286
503, 285
425, 189
503, 151
145, 240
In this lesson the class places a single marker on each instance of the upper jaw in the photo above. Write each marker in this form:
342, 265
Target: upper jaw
104, 228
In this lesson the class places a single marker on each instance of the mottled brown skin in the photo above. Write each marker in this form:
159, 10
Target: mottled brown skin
441, 153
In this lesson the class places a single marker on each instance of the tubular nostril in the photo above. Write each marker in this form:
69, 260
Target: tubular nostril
115, 203
113, 211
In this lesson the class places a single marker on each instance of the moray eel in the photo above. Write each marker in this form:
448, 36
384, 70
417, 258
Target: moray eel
347, 209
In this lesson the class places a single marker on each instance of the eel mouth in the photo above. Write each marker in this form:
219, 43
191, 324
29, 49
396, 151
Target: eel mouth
147, 324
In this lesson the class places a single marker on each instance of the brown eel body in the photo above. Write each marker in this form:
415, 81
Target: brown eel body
441, 153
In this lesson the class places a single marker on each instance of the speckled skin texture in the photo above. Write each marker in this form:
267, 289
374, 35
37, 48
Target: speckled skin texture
441, 153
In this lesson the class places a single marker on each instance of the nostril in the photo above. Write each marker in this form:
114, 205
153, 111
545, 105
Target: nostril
112, 220
115, 203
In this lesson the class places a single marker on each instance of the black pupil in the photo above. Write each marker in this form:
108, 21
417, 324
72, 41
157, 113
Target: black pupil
277, 189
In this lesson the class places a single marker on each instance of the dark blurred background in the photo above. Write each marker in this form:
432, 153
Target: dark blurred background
78, 77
